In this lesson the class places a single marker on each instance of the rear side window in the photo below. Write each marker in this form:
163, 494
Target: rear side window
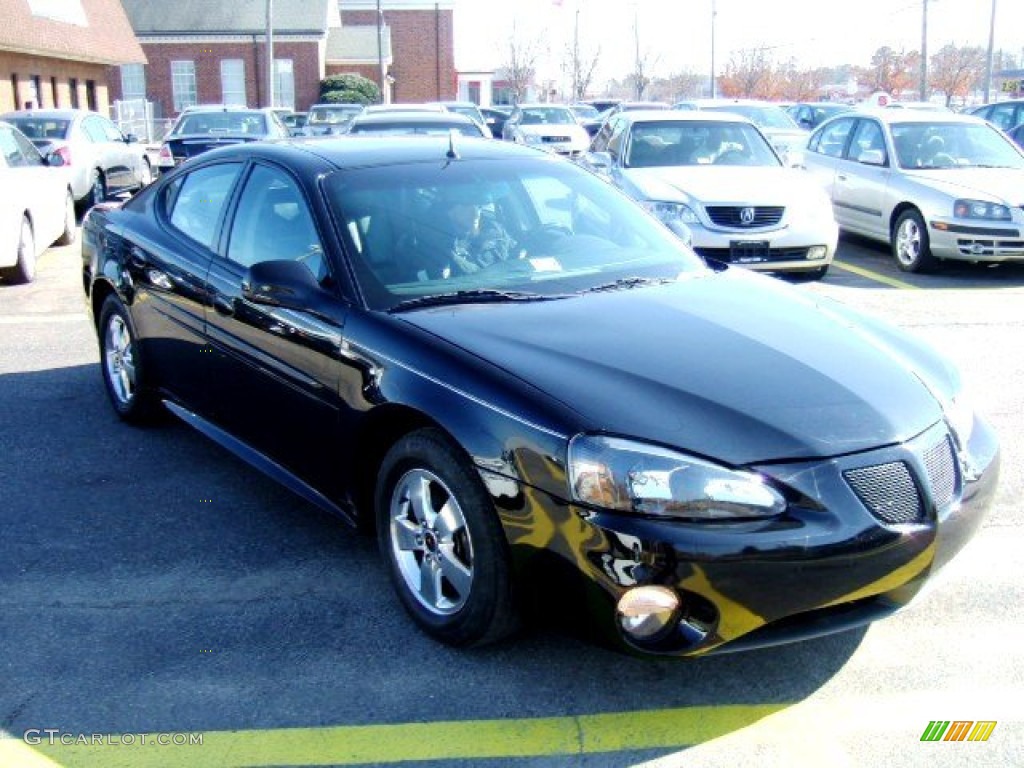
195, 201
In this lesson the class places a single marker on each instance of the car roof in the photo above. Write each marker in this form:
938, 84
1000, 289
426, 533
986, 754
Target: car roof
886, 115
413, 116
61, 114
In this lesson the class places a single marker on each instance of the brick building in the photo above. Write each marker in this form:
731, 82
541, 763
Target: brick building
422, 47
57, 53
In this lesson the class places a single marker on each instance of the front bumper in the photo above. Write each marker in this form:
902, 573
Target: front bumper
978, 241
788, 247
827, 565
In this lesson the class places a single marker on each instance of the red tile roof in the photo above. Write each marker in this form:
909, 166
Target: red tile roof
105, 38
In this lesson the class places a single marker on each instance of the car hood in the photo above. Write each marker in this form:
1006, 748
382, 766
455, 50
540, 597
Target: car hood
1002, 184
766, 185
734, 366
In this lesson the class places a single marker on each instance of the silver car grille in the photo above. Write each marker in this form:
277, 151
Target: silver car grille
890, 492
732, 216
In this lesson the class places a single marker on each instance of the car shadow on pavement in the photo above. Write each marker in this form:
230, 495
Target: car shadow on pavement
149, 581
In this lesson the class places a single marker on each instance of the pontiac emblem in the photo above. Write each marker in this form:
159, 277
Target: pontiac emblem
746, 216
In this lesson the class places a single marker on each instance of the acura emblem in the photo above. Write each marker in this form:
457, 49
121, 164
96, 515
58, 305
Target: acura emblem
746, 216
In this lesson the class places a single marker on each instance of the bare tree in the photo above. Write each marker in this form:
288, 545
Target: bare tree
520, 66
749, 74
890, 71
682, 85
955, 70
579, 62
795, 84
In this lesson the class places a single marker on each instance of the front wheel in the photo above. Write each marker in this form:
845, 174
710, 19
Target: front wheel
910, 244
70, 231
442, 542
124, 374
97, 189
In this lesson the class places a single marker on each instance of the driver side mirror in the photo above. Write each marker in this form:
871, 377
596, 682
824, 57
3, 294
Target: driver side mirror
871, 157
282, 283
54, 159
601, 162
130, 138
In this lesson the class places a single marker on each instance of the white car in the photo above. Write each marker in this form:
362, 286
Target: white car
718, 175
551, 127
42, 210
932, 185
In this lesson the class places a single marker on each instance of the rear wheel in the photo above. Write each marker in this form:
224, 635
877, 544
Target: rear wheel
442, 541
24, 269
910, 244
124, 374
70, 232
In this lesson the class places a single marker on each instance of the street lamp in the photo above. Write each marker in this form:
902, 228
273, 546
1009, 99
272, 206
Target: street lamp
924, 50
270, 53
988, 58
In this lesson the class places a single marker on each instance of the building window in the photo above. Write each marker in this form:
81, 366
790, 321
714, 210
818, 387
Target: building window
183, 84
133, 82
73, 87
284, 83
90, 95
54, 98
232, 81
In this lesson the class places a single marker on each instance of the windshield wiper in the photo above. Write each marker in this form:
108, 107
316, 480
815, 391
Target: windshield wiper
478, 296
628, 282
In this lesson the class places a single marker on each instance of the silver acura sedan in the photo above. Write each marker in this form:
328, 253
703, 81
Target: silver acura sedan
932, 185
717, 174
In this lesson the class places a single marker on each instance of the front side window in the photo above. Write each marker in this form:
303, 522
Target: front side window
423, 230
831, 139
232, 81
195, 201
183, 84
93, 128
274, 222
868, 138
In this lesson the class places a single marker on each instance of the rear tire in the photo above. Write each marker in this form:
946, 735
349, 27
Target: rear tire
442, 541
70, 233
24, 269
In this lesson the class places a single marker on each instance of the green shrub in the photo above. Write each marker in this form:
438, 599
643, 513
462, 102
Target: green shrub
348, 89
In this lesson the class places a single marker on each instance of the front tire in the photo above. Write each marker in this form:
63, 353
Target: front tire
97, 189
443, 544
24, 269
124, 374
70, 233
910, 244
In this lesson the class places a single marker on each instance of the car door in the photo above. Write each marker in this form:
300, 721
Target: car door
275, 370
112, 157
862, 181
167, 256
824, 156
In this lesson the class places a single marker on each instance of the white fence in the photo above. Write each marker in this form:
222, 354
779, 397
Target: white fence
135, 116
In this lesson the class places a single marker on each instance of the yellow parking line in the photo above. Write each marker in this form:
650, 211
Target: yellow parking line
383, 744
878, 278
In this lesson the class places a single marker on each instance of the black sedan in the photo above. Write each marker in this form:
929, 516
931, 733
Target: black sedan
536, 393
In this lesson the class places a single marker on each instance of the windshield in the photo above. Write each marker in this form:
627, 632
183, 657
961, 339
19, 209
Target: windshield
37, 128
761, 116
538, 227
199, 123
547, 116
953, 145
688, 142
332, 115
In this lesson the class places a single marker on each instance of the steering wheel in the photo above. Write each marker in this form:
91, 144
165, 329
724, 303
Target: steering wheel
731, 157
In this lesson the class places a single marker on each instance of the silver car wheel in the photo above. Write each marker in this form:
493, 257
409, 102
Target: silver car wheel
908, 242
119, 359
430, 542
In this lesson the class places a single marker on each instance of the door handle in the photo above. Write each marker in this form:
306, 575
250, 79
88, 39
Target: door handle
841, 177
223, 305
137, 257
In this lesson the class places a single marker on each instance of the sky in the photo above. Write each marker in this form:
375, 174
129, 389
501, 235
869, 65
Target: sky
675, 34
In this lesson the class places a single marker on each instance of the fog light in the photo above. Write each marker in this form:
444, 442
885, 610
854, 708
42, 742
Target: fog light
645, 612
816, 252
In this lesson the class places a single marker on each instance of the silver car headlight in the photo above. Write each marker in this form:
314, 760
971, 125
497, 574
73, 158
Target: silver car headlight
981, 209
669, 212
629, 476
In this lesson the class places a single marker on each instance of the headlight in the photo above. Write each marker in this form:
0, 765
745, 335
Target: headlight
979, 209
628, 476
669, 212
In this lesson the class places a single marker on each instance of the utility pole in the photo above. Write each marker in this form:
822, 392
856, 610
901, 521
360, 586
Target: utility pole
638, 69
576, 57
714, 12
380, 54
924, 50
991, 50
270, 53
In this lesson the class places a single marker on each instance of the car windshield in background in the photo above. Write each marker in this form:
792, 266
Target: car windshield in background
547, 116
37, 128
538, 228
332, 115
432, 128
206, 123
585, 111
763, 117
952, 145
688, 142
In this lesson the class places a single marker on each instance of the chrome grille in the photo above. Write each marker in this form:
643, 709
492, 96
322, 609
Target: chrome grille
940, 465
729, 215
888, 491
